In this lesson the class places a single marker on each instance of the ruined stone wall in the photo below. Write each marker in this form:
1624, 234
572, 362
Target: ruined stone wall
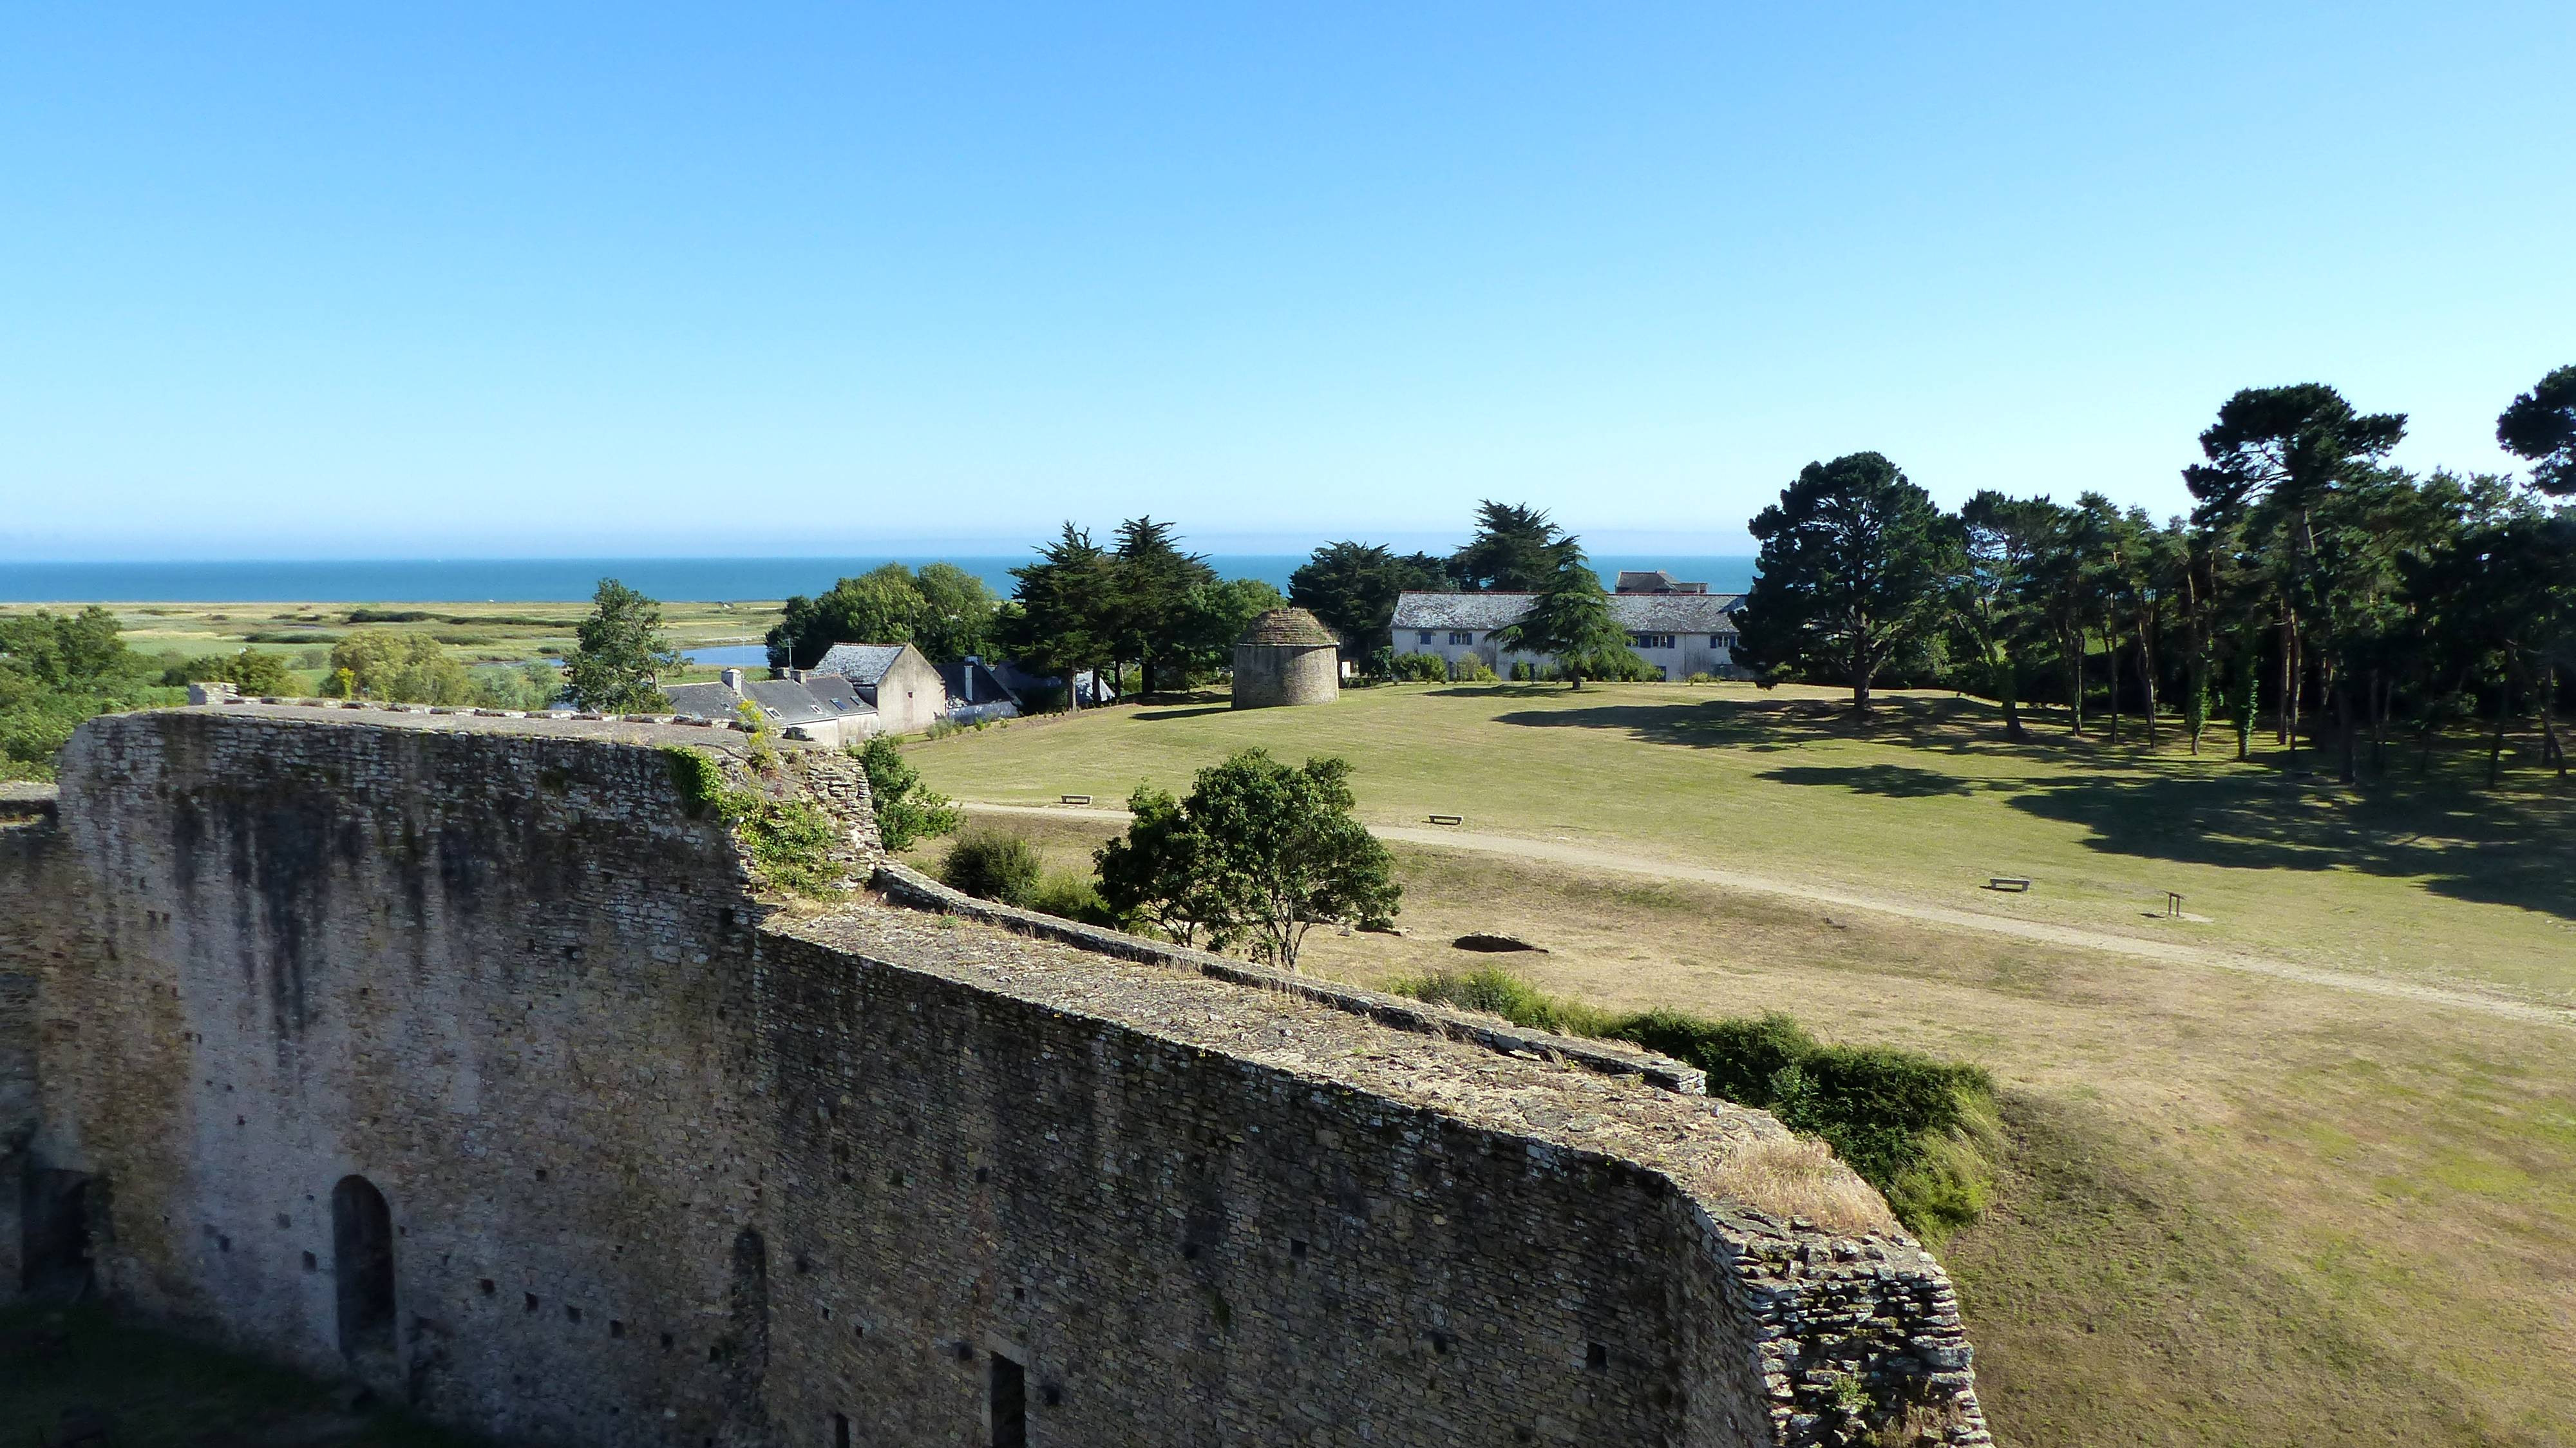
40, 911
666, 1167
488, 973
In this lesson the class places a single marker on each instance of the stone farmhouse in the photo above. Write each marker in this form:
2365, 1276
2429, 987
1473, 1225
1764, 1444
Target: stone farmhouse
465, 1055
897, 681
1679, 628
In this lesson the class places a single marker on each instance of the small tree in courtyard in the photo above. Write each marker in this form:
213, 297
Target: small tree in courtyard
1259, 852
617, 664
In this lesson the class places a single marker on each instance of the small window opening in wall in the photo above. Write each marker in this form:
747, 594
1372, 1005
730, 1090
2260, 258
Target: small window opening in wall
1052, 1395
1010, 1389
840, 1430
1440, 1343
616, 1328
666, 1342
1296, 1249
486, 1286
362, 1261
1596, 1356
572, 1314
311, 1264
531, 1301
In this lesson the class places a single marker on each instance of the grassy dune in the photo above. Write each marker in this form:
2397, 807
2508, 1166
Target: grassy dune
2237, 1209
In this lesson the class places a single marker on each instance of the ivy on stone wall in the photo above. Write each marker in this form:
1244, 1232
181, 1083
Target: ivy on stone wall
788, 841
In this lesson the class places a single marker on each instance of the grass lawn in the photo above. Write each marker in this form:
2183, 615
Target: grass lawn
2434, 881
2237, 1210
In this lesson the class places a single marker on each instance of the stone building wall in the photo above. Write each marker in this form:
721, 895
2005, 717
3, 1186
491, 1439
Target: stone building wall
664, 1165
1270, 675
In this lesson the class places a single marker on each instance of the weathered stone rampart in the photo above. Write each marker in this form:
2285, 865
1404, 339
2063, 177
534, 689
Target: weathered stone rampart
658, 1162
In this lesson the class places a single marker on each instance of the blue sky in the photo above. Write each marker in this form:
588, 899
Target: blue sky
381, 280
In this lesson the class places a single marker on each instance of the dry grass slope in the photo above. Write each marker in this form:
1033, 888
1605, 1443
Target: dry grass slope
2235, 1210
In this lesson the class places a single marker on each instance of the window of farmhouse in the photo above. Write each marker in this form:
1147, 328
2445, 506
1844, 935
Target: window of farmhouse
1460, 637
1650, 641
1426, 636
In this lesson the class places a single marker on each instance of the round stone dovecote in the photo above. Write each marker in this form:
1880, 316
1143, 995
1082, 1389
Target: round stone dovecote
1287, 657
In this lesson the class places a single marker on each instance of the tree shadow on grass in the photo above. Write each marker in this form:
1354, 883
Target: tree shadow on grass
1957, 727
2508, 849
2494, 851
1893, 781
1199, 711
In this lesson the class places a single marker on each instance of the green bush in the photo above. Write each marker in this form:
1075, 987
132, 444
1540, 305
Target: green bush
788, 841
1073, 897
996, 867
1920, 1130
1419, 669
1472, 670
907, 810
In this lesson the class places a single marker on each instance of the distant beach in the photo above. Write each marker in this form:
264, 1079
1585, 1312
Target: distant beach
558, 580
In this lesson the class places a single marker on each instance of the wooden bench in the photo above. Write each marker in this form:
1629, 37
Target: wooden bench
1073, 799
1448, 819
2014, 883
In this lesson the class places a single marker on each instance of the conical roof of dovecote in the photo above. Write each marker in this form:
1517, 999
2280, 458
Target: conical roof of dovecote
1291, 628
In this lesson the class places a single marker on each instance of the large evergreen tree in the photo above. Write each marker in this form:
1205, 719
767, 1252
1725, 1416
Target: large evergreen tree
1155, 607
1571, 620
2284, 464
2540, 428
1850, 575
1065, 613
1514, 550
1352, 588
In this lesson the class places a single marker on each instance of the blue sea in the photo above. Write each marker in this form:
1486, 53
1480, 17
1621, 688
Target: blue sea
562, 580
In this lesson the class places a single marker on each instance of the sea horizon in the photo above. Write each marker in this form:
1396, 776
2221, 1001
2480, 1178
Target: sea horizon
568, 580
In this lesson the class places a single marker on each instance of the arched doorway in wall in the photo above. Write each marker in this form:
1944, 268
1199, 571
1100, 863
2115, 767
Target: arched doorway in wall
362, 1261
55, 1227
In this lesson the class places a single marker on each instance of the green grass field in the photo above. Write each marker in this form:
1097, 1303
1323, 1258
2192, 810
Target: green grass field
2237, 1209
2434, 881
476, 633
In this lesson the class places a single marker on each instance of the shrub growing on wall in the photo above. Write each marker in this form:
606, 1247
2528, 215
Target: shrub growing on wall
907, 810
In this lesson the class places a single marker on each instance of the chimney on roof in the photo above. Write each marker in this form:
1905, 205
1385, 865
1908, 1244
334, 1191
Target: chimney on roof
730, 678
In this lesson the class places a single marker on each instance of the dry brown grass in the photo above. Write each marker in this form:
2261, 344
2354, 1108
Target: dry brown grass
1796, 1176
2237, 1210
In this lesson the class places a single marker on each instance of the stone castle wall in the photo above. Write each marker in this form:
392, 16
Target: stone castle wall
666, 1166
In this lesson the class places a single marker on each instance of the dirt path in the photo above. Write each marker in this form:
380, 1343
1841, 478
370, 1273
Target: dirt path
2162, 952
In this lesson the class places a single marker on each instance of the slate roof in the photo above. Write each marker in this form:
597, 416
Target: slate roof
862, 664
988, 689
707, 701
837, 694
786, 702
1637, 612
1654, 580
1291, 627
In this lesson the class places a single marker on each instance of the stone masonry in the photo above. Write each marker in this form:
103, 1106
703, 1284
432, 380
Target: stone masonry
460, 1055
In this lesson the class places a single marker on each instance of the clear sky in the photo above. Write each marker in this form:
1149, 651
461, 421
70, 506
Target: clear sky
389, 280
